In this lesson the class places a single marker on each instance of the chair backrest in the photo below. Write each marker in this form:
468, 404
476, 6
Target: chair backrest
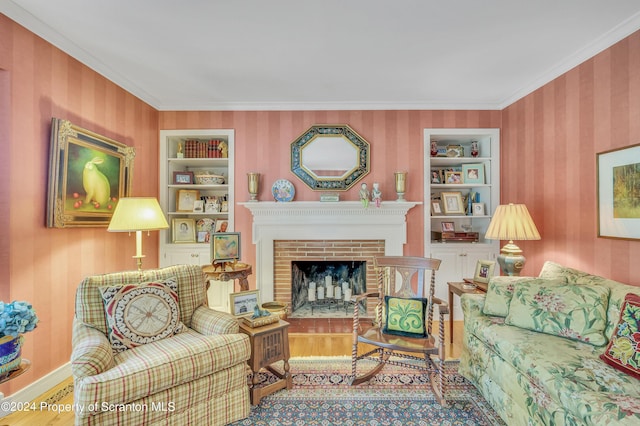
192, 291
406, 277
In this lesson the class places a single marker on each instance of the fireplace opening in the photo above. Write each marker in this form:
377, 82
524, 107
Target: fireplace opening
326, 288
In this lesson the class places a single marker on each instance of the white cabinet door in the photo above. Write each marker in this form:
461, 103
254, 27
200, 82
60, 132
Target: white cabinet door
186, 256
458, 262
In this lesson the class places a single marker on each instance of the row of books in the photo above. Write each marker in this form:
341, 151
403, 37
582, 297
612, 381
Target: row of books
194, 148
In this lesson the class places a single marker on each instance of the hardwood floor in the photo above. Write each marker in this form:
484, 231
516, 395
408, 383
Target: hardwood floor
305, 339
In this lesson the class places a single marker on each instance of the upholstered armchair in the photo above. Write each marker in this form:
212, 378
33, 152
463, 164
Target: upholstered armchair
132, 369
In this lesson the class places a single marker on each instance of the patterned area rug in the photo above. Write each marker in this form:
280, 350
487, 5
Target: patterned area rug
399, 396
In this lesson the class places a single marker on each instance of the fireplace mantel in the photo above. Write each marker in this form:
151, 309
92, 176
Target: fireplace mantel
315, 220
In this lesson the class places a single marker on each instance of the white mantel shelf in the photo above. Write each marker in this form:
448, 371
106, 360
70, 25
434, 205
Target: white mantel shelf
316, 220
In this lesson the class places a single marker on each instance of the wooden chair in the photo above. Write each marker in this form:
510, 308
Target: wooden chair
401, 331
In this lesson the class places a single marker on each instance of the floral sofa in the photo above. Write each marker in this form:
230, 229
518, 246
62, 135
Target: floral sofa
190, 370
535, 347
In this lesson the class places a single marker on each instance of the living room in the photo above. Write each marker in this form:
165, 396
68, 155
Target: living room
549, 141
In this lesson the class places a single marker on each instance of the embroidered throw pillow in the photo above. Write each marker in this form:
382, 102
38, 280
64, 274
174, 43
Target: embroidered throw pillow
405, 316
623, 351
500, 291
577, 312
141, 313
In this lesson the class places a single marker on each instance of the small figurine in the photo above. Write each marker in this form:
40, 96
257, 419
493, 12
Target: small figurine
434, 148
376, 194
224, 149
474, 149
364, 195
180, 154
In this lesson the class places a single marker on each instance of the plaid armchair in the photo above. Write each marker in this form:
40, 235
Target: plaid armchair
198, 376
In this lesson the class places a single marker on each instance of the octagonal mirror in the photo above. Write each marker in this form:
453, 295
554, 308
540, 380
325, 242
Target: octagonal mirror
330, 157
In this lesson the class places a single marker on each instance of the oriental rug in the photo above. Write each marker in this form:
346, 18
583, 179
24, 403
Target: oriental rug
321, 395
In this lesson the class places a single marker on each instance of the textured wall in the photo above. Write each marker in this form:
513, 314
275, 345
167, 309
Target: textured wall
549, 143
41, 265
263, 141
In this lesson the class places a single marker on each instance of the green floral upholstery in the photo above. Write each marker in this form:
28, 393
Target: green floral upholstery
532, 378
500, 291
573, 311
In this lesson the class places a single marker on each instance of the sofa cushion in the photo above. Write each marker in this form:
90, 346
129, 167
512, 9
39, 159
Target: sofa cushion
138, 314
405, 316
148, 369
577, 312
623, 351
500, 291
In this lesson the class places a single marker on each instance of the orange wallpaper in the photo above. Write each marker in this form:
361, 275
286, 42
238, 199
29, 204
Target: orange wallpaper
41, 265
549, 143
263, 142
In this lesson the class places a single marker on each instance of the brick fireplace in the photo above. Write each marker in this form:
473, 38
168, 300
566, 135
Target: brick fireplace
288, 251
319, 230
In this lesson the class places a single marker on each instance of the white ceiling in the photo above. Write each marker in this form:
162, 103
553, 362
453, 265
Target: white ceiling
328, 54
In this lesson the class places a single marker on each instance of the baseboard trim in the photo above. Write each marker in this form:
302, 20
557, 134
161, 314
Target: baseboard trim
34, 390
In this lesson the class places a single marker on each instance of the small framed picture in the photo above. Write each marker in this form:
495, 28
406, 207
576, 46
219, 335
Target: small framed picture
436, 208
455, 151
452, 202
435, 176
225, 246
224, 207
243, 303
453, 177
484, 271
448, 227
185, 199
183, 230
478, 209
473, 173
183, 178
221, 225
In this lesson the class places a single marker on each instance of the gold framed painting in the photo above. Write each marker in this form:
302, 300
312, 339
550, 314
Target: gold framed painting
88, 175
452, 202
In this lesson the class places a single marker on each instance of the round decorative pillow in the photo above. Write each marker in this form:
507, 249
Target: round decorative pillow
138, 314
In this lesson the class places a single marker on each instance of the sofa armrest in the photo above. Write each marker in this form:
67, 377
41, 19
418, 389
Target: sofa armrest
91, 351
209, 322
472, 304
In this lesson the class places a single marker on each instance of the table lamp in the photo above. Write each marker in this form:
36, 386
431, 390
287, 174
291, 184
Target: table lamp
512, 222
137, 214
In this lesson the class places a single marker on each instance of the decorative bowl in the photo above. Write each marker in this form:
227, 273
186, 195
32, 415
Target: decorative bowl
207, 179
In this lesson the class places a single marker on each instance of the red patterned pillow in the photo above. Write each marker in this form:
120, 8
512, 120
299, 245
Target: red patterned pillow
623, 351
141, 313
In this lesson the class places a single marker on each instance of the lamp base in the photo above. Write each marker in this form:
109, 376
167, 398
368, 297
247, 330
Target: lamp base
511, 264
400, 196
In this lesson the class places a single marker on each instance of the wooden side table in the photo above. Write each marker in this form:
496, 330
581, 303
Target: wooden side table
459, 289
269, 343
240, 272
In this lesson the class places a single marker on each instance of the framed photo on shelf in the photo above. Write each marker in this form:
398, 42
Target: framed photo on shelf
452, 202
448, 227
436, 208
243, 303
436, 177
617, 187
484, 271
473, 173
182, 178
221, 225
183, 230
225, 246
185, 199
455, 151
454, 177
478, 209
